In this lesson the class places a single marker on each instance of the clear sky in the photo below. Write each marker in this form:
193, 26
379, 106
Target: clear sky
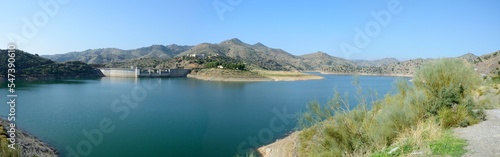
418, 28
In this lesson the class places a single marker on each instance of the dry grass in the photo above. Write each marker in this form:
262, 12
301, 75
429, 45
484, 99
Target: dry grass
488, 96
410, 121
419, 136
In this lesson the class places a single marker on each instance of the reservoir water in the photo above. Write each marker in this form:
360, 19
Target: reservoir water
169, 117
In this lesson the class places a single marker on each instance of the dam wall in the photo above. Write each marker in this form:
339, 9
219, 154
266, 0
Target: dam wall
115, 72
119, 72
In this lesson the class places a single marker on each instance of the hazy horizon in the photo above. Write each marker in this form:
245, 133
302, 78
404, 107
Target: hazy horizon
349, 29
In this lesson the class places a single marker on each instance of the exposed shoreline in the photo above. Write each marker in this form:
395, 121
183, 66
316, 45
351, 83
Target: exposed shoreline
228, 79
225, 75
365, 74
31, 145
287, 146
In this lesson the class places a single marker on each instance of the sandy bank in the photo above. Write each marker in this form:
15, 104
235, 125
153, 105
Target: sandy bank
288, 75
31, 145
250, 76
227, 79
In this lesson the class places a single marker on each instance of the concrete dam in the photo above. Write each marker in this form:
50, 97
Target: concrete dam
116, 72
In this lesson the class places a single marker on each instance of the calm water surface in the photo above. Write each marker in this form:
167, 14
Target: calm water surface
169, 117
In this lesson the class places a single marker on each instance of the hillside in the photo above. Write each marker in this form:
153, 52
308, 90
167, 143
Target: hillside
488, 64
260, 56
469, 57
321, 61
106, 55
29, 66
378, 62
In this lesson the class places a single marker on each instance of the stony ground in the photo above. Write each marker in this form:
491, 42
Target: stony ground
484, 138
32, 146
285, 147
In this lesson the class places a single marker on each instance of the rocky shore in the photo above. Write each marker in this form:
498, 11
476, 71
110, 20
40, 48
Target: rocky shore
287, 146
31, 145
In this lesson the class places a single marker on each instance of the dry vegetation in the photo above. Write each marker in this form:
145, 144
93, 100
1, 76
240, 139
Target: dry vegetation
416, 120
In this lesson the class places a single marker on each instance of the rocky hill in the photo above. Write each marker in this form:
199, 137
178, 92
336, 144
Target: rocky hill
321, 61
106, 55
378, 62
260, 56
488, 64
34, 67
469, 57
257, 54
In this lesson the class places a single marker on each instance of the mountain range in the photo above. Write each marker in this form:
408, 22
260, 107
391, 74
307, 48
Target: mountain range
262, 56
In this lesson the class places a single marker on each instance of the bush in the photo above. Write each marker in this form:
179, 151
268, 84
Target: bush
449, 117
337, 130
446, 83
442, 92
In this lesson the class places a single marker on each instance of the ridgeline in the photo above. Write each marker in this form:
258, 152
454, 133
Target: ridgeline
261, 57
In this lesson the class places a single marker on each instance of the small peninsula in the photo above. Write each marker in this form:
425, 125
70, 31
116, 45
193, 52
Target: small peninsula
229, 75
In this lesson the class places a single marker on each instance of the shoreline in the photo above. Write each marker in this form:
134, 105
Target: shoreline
31, 145
365, 74
227, 79
48, 78
224, 75
286, 146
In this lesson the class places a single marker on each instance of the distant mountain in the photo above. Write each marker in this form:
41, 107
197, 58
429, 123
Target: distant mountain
321, 61
106, 55
469, 57
32, 67
378, 62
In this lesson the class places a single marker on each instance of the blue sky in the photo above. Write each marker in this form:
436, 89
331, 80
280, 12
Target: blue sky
416, 29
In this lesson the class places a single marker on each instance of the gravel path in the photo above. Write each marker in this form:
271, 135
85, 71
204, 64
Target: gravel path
483, 138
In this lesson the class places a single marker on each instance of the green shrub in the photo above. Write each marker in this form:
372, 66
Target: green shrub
337, 131
442, 92
446, 83
449, 117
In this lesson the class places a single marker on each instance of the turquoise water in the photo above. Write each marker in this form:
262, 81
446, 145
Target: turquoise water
169, 117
